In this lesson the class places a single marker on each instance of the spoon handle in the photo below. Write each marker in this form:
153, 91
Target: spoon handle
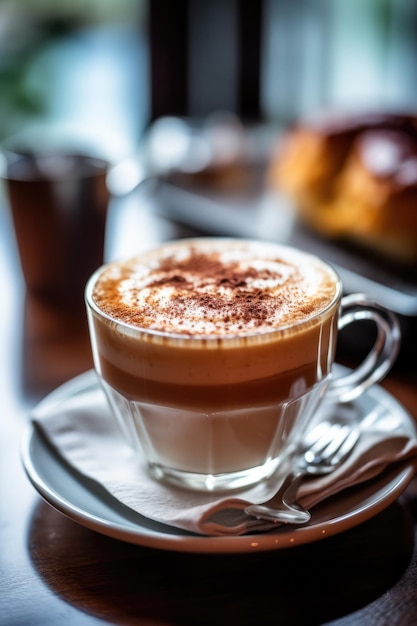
283, 507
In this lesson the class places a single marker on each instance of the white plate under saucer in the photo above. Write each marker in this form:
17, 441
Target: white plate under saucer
84, 502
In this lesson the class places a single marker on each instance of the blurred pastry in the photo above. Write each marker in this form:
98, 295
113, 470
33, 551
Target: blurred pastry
354, 178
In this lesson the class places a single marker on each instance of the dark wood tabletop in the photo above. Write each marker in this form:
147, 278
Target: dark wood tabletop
56, 572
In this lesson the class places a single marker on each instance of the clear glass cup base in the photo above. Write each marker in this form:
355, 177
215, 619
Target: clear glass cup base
215, 482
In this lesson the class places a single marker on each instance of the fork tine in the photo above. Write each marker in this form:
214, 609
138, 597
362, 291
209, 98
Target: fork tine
329, 435
313, 453
339, 436
319, 436
346, 446
315, 434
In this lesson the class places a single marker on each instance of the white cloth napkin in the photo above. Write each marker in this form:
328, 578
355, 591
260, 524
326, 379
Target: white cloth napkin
84, 434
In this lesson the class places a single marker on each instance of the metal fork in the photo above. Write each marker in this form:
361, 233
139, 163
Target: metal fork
323, 450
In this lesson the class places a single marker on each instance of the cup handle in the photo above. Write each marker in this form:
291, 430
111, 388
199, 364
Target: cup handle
378, 362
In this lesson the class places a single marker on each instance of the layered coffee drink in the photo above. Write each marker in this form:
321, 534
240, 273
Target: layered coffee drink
214, 353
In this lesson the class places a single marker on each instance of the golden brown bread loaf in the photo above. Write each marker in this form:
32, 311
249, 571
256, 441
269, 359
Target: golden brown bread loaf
354, 178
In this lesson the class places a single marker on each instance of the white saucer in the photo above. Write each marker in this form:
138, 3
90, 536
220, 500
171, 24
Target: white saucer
84, 502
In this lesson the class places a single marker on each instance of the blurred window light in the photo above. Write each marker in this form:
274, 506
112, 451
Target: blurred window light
348, 54
76, 69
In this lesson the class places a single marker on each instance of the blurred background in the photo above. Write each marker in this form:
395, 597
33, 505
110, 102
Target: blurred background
74, 68
102, 70
162, 89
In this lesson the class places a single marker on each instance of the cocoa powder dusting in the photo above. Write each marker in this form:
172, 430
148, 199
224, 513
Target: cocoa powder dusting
208, 291
230, 281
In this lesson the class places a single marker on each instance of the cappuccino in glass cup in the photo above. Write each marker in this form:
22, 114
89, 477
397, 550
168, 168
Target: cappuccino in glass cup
215, 353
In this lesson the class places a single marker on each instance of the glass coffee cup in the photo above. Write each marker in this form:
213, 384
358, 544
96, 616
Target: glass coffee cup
215, 354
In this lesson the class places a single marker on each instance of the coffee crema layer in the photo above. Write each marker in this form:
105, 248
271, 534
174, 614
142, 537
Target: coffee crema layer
216, 288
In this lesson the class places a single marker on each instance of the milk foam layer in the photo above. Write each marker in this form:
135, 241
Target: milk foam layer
216, 287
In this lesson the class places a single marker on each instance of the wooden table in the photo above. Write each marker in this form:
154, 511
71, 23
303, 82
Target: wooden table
56, 572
